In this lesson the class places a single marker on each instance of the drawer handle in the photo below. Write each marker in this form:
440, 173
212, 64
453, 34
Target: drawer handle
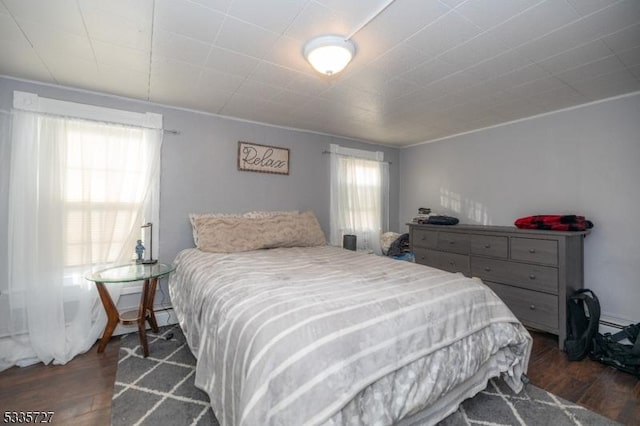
423, 238
532, 277
532, 251
421, 257
486, 268
487, 246
532, 307
452, 242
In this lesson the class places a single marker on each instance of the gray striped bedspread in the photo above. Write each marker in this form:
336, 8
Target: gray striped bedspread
322, 335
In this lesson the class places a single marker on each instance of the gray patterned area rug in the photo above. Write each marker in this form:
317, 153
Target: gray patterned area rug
160, 390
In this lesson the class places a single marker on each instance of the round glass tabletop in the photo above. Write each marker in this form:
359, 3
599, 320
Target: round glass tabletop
130, 272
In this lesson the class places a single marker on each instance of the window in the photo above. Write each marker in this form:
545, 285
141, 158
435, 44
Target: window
359, 196
104, 189
82, 181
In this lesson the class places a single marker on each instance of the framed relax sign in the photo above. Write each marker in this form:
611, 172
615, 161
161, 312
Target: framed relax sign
263, 158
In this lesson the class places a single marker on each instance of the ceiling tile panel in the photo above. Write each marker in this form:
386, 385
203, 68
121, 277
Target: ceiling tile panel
535, 22
558, 98
630, 57
309, 85
114, 29
397, 87
290, 98
165, 88
367, 80
518, 108
69, 70
454, 82
230, 62
50, 41
316, 19
404, 18
572, 58
10, 32
430, 72
592, 70
444, 34
287, 51
111, 54
122, 81
19, 59
168, 70
357, 9
272, 74
61, 15
610, 20
609, 85
398, 60
586, 7
469, 112
624, 39
500, 65
489, 13
189, 19
138, 12
176, 46
517, 77
476, 50
423, 69
274, 15
246, 39
258, 90
219, 5
220, 80
534, 87
209, 100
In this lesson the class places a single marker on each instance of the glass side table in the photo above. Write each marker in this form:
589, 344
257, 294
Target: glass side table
127, 273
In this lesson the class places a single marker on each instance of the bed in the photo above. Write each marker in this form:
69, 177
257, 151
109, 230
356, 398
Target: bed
303, 333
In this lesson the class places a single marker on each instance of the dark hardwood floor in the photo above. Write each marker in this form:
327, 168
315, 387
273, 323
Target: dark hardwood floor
80, 392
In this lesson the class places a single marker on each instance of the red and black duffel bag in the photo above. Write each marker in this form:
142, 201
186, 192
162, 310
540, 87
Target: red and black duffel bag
554, 222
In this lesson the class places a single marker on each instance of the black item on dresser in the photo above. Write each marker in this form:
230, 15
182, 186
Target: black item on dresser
533, 271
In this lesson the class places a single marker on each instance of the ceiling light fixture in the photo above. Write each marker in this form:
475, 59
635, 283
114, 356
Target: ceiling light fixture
329, 54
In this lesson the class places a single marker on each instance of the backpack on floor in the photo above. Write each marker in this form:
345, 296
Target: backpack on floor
608, 349
583, 318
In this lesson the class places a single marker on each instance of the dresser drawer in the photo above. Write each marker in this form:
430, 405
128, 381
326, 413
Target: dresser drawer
424, 238
489, 245
450, 262
533, 277
453, 242
426, 257
534, 250
454, 262
528, 306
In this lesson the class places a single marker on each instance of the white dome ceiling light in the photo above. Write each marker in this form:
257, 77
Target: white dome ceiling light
329, 54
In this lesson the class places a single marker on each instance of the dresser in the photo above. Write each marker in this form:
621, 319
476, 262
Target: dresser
532, 271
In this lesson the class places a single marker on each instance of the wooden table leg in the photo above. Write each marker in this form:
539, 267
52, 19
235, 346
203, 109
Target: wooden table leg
113, 318
142, 316
151, 295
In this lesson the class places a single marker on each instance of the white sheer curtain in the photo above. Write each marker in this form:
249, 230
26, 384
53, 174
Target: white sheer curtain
359, 196
78, 192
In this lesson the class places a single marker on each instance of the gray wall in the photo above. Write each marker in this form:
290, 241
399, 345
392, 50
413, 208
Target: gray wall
199, 167
583, 161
